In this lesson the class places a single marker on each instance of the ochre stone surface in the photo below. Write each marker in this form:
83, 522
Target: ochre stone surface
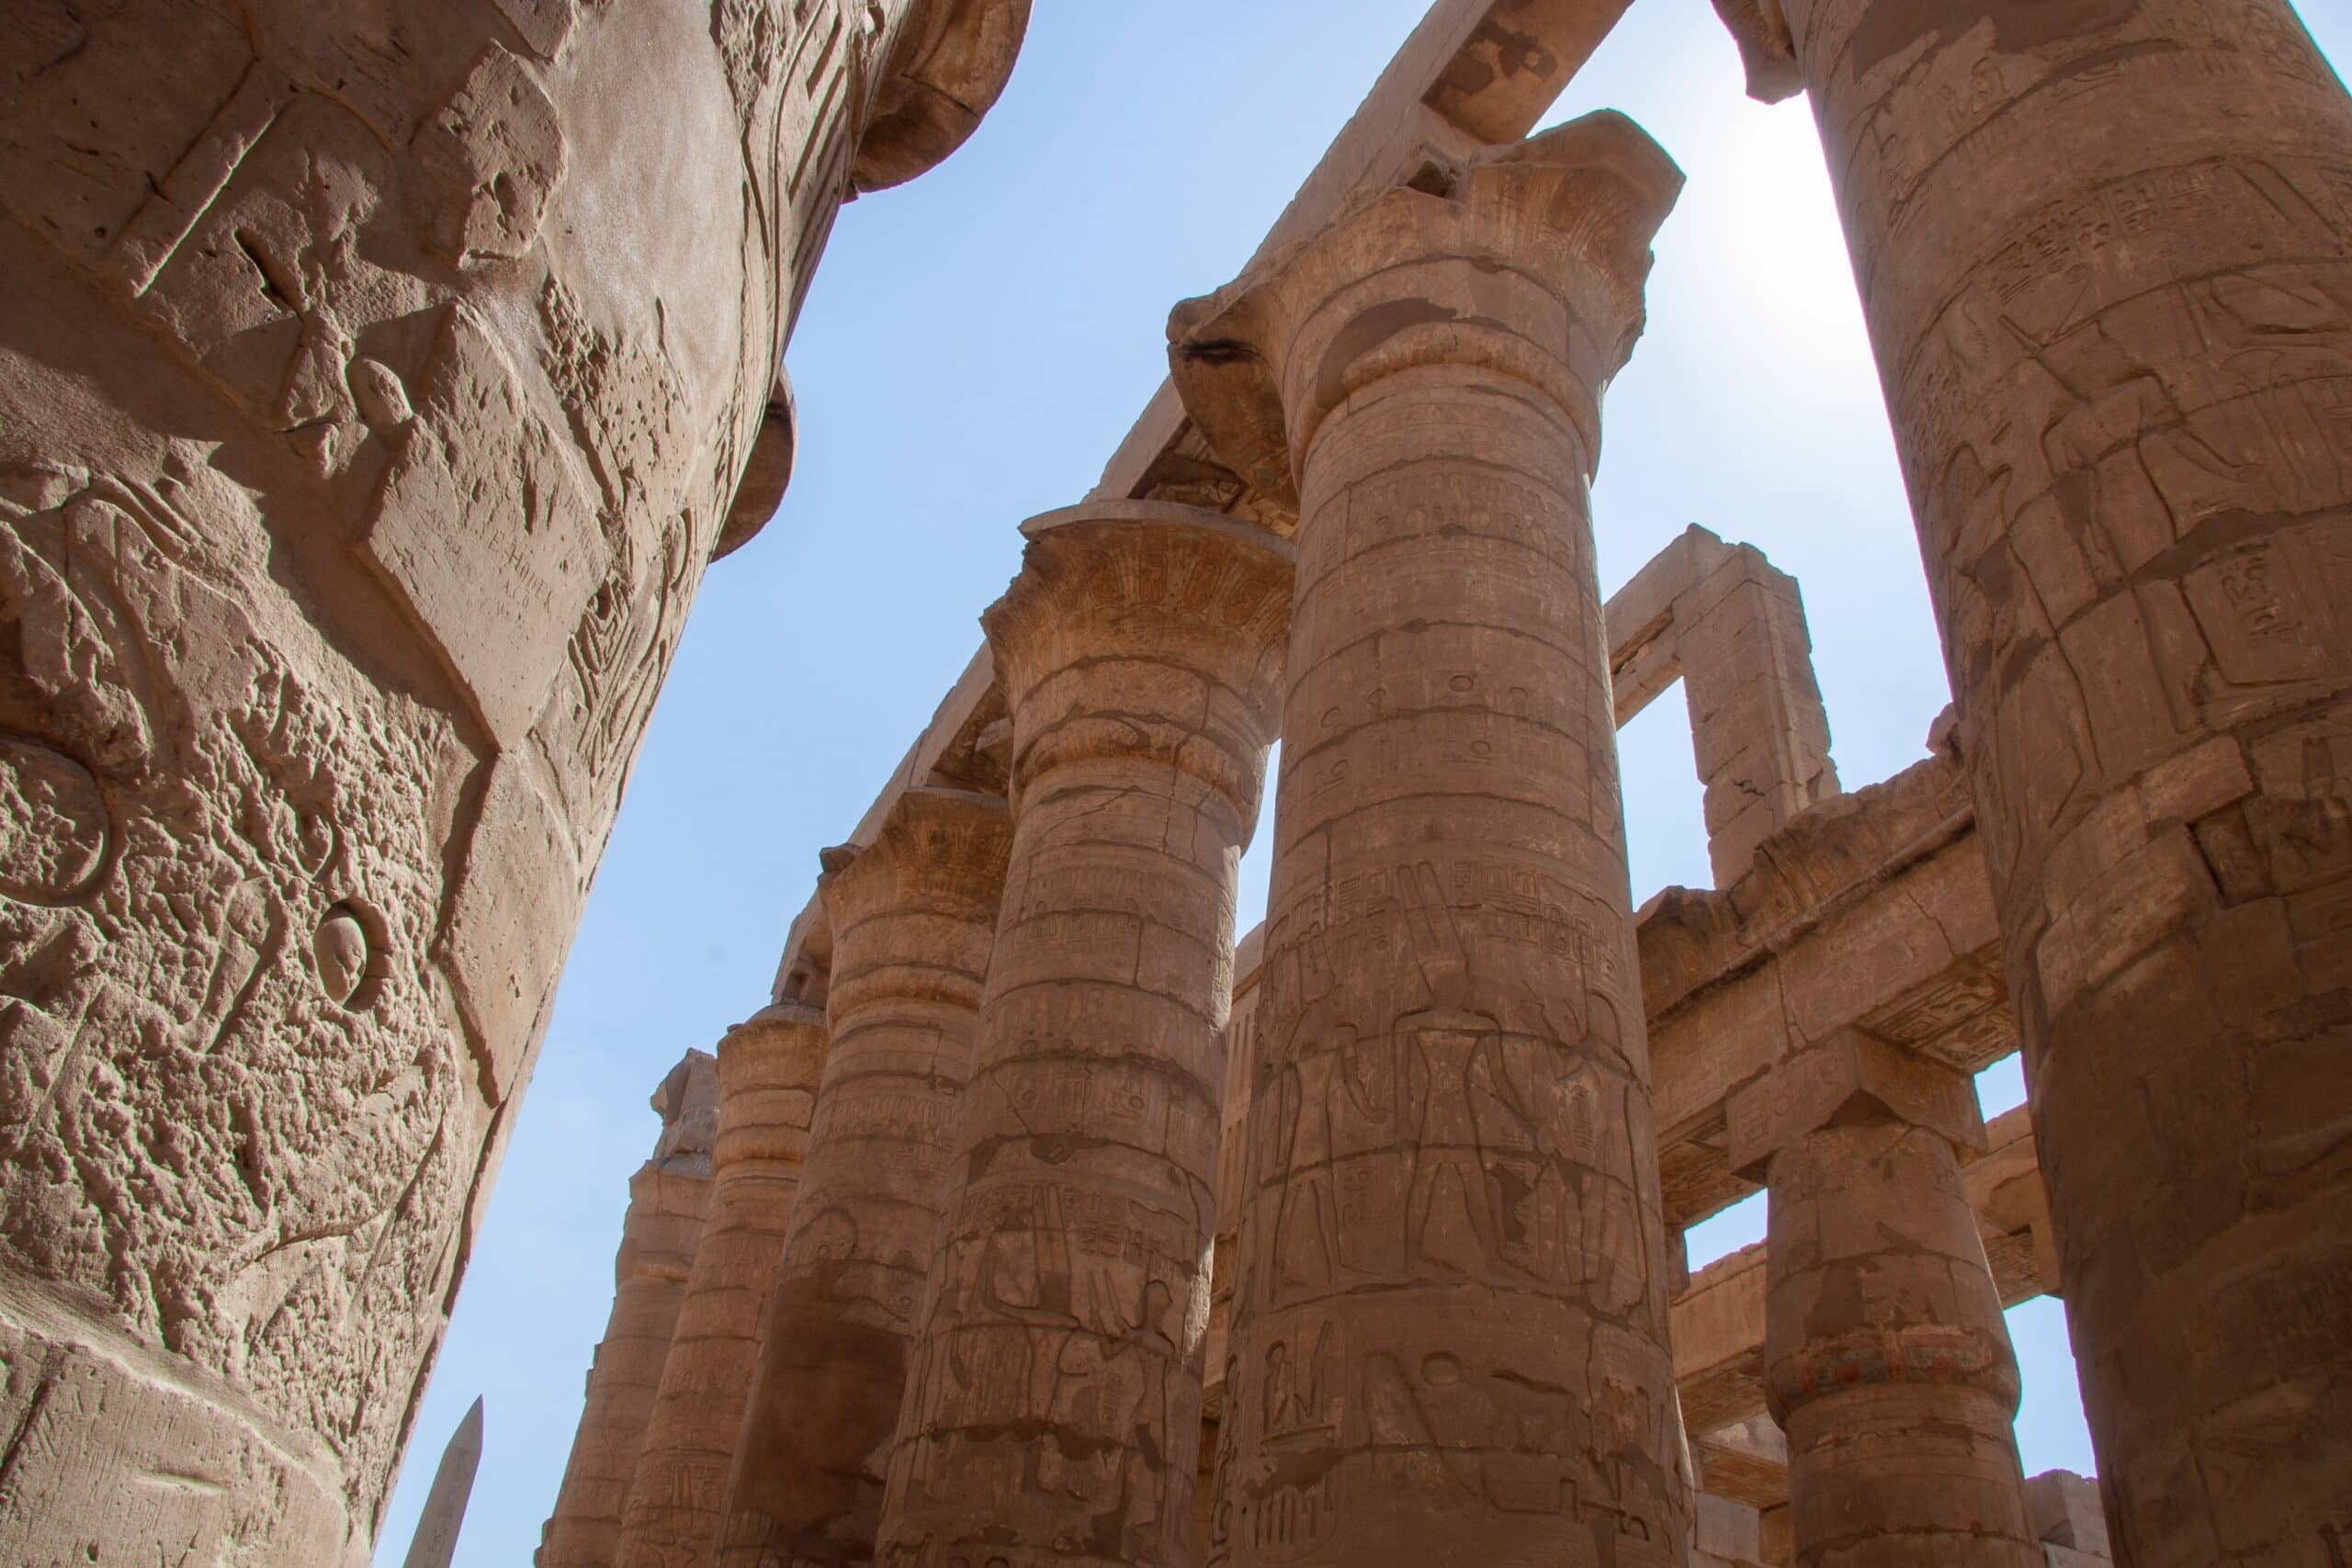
1449, 1333
353, 496
667, 1199
1055, 1414
1886, 1359
913, 917
2105, 252
768, 1071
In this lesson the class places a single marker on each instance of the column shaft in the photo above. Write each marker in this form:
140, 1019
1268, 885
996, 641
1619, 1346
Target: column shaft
1887, 1360
1056, 1414
1449, 1327
913, 918
768, 1070
2106, 255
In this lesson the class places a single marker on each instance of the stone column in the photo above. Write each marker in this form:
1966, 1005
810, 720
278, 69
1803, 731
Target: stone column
2105, 250
667, 1199
1056, 1411
768, 1070
375, 381
1886, 1358
912, 917
1449, 1338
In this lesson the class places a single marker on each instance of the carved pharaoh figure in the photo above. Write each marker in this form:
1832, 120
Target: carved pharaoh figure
351, 502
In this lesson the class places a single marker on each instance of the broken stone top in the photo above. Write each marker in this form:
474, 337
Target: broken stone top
947, 67
688, 1103
940, 851
1528, 259
1126, 597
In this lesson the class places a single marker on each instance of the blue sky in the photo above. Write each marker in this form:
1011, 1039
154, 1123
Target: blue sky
976, 346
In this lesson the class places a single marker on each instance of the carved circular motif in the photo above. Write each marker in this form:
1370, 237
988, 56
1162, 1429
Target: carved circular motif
53, 826
340, 949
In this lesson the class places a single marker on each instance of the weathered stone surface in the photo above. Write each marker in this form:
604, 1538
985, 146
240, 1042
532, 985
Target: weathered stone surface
352, 500
768, 1071
1449, 1331
2104, 250
667, 1199
1056, 1404
912, 915
2065, 1510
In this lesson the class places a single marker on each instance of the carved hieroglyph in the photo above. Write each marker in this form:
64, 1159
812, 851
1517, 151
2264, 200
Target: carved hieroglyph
1055, 1413
1886, 1358
374, 381
667, 1199
2105, 249
768, 1070
913, 916
1448, 1337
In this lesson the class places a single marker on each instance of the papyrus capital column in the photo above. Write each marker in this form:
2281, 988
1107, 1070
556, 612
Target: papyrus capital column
768, 1071
913, 914
1886, 1358
668, 1197
1055, 1408
2104, 253
1448, 1337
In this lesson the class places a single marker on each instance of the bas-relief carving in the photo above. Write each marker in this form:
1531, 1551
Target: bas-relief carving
350, 521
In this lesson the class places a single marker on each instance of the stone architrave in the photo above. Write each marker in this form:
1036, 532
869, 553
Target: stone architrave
913, 916
667, 1199
1055, 1407
1449, 1331
1886, 1359
2105, 253
768, 1071
353, 497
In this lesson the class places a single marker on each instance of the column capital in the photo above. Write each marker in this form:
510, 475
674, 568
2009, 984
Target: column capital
1849, 1078
1176, 618
939, 851
948, 63
769, 1066
1767, 47
1528, 259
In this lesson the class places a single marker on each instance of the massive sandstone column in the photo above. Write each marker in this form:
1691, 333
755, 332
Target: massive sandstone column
1055, 1412
375, 382
668, 1197
768, 1070
2105, 249
912, 917
1448, 1337
1886, 1358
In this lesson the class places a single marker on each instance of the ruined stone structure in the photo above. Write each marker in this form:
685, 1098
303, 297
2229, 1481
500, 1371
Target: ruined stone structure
668, 1201
768, 1070
352, 500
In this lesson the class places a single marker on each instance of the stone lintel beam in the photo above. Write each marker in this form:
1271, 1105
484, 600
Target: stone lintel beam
1141, 653
1869, 913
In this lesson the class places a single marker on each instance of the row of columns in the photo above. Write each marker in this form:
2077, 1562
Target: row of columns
1448, 1341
